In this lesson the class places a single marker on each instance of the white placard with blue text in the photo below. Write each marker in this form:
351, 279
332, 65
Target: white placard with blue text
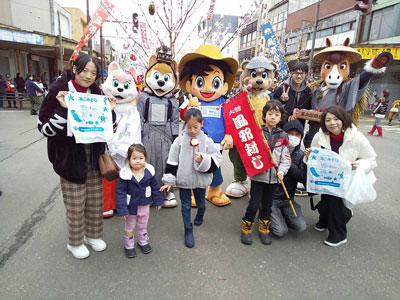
89, 118
328, 173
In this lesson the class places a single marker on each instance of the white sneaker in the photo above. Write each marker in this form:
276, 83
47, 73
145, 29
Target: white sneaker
96, 244
79, 252
332, 244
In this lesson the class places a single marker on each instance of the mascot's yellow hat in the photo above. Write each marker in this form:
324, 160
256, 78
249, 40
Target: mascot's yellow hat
211, 52
352, 54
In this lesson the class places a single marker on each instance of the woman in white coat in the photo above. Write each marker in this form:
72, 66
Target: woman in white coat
338, 134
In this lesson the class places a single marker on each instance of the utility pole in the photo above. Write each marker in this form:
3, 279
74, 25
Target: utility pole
310, 63
87, 24
60, 42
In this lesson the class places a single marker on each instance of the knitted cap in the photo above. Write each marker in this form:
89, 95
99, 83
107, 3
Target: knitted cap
260, 62
295, 124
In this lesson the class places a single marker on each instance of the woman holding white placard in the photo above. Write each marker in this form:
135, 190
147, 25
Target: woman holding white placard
76, 164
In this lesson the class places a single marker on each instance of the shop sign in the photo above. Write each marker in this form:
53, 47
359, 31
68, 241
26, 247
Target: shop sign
20, 37
371, 52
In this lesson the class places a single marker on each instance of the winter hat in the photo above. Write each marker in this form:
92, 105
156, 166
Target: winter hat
295, 124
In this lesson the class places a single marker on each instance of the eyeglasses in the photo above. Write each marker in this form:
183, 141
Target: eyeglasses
299, 73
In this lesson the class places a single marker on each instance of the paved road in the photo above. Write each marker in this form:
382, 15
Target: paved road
34, 262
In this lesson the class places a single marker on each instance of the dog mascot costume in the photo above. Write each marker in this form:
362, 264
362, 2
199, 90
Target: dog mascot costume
207, 77
335, 88
120, 84
159, 114
257, 78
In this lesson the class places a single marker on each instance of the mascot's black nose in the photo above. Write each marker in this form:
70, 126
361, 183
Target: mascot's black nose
160, 82
259, 81
120, 90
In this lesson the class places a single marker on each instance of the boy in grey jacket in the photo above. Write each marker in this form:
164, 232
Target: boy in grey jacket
264, 185
192, 159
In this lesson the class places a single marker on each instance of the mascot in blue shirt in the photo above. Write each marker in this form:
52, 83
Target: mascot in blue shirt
206, 76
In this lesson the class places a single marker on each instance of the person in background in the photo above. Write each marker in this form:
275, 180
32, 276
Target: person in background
76, 164
3, 87
20, 83
45, 80
394, 111
379, 112
31, 89
10, 91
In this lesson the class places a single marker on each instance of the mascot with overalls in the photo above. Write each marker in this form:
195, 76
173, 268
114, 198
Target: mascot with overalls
336, 88
206, 76
257, 78
159, 114
121, 84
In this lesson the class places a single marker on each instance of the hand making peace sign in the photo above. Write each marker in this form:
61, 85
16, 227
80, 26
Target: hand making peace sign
285, 94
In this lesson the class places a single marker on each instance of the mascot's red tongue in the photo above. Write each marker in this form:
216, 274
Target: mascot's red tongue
207, 94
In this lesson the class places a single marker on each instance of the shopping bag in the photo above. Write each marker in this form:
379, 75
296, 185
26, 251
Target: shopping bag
361, 189
327, 173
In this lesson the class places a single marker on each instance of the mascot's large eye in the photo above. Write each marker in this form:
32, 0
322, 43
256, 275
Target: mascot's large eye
115, 83
264, 75
127, 85
327, 66
199, 82
156, 76
216, 83
253, 74
343, 66
167, 78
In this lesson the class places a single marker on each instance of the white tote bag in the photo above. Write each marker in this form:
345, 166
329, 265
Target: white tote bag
361, 189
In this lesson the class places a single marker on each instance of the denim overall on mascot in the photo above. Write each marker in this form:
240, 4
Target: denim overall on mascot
257, 77
336, 88
120, 84
207, 77
159, 115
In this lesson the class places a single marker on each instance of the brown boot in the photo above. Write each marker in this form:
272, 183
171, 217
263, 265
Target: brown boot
263, 228
247, 228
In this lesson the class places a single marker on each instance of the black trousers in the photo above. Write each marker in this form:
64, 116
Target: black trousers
334, 216
312, 130
260, 193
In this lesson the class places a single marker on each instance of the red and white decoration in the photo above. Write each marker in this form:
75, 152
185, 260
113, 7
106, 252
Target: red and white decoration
247, 136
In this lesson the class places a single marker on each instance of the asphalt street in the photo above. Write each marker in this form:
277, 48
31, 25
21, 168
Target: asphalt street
35, 264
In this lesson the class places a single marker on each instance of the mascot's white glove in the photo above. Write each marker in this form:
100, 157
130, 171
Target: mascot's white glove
227, 142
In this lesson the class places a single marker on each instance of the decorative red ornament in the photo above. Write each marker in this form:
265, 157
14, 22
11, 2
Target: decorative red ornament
132, 57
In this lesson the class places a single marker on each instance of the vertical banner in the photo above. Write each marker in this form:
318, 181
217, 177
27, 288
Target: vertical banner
143, 33
247, 136
95, 23
211, 10
276, 54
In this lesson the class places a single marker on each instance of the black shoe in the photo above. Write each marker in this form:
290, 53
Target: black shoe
319, 227
146, 249
130, 253
33, 113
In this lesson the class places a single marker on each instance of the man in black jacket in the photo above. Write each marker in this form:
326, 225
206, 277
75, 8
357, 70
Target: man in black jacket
294, 92
282, 215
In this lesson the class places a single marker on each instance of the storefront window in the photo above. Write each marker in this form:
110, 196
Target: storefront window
382, 22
